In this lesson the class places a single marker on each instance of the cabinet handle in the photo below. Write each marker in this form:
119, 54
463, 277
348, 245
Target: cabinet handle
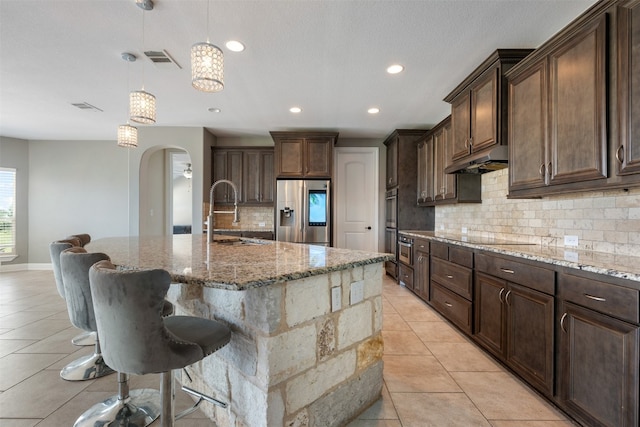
564, 316
620, 154
466, 143
549, 169
595, 298
506, 270
471, 142
449, 276
541, 170
500, 295
448, 304
506, 297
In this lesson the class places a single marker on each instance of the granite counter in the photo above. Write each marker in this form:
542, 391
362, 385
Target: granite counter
295, 356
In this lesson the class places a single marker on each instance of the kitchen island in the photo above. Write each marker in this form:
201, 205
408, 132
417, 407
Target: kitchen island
306, 348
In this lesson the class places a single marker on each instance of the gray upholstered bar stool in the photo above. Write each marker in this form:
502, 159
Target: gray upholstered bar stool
156, 344
74, 267
55, 248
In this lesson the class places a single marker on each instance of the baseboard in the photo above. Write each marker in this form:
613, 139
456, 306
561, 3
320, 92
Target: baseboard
25, 267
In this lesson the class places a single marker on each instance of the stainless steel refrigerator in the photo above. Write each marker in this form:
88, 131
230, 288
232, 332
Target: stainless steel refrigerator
303, 211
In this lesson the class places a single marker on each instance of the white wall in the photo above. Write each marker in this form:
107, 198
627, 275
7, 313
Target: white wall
14, 153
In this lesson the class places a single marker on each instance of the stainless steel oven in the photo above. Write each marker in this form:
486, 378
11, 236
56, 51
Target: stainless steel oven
405, 250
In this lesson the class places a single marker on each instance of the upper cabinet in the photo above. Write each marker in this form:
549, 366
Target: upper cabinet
628, 151
574, 106
478, 109
304, 154
250, 169
434, 185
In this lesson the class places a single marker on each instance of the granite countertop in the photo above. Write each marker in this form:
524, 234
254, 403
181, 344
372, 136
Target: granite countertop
189, 259
621, 266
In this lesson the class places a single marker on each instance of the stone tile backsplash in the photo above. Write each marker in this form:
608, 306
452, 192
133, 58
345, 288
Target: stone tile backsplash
603, 221
251, 217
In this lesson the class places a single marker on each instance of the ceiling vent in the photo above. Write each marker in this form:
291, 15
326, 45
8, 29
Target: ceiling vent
85, 106
162, 59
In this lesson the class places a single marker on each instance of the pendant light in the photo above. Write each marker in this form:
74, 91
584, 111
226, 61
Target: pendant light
207, 65
142, 104
127, 134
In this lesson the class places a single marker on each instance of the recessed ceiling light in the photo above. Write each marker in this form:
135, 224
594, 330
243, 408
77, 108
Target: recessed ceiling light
295, 109
395, 69
214, 110
234, 46
374, 110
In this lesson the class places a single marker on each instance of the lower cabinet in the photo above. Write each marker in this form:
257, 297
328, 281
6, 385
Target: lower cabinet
515, 323
421, 269
598, 353
405, 276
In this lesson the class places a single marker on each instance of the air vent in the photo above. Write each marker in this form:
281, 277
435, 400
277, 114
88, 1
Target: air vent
85, 106
162, 59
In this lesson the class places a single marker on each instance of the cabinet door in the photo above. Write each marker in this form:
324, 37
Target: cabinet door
421, 272
267, 185
530, 335
392, 163
628, 152
318, 155
578, 106
489, 316
598, 367
528, 128
289, 157
258, 176
425, 171
227, 164
460, 126
484, 107
444, 183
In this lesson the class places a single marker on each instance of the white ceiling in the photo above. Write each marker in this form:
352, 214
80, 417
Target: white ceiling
328, 57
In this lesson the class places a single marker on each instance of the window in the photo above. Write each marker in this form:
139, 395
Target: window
7, 211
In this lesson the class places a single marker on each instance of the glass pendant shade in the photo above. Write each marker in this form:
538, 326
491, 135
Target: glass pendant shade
207, 67
142, 107
127, 136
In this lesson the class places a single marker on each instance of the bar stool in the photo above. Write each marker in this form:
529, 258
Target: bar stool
74, 265
156, 344
85, 338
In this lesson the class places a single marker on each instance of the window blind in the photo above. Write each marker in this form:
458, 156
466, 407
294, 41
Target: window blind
7, 211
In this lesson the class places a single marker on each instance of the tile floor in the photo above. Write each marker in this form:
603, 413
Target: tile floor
433, 375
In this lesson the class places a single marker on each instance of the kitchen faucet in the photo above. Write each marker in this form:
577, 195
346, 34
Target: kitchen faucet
211, 211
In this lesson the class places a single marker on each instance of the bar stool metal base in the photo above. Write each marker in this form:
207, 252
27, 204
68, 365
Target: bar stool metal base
140, 409
86, 368
85, 338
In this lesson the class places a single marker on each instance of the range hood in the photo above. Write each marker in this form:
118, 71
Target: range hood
488, 160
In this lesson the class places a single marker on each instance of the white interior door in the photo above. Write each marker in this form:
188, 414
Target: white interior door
356, 198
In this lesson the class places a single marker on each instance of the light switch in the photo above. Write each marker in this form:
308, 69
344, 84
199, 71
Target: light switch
571, 240
336, 298
357, 292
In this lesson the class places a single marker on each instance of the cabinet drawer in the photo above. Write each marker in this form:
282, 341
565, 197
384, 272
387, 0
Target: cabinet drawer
421, 245
405, 276
461, 256
452, 276
600, 296
452, 306
440, 250
537, 278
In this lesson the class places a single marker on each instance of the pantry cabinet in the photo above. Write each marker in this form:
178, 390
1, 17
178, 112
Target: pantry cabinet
227, 164
258, 176
250, 169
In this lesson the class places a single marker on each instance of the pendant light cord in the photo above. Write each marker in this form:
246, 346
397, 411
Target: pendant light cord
208, 19
143, 49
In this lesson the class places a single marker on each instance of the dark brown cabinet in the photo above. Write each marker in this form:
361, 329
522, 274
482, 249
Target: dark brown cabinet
392, 145
599, 340
451, 287
516, 322
478, 107
304, 154
436, 187
628, 151
227, 164
250, 169
258, 176
421, 271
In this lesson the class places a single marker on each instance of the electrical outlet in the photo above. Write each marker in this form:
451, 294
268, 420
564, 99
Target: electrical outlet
571, 240
464, 230
261, 224
336, 298
357, 292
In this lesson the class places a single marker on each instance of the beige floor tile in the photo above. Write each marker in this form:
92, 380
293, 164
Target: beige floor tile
71, 357
501, 423
16, 368
9, 346
68, 413
462, 356
23, 318
375, 423
38, 330
437, 410
38, 396
394, 322
438, 331
5, 422
57, 343
416, 374
412, 309
382, 409
403, 342
387, 307
499, 396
